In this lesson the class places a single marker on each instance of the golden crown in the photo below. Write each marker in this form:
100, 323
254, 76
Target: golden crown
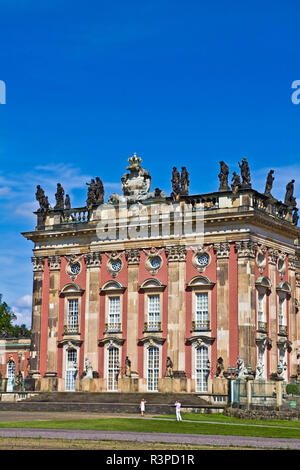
134, 160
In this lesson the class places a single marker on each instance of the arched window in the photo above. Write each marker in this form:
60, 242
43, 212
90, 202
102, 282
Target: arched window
10, 373
152, 368
202, 368
113, 368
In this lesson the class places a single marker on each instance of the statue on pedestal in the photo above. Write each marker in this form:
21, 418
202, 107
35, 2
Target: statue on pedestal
42, 199
220, 367
289, 199
245, 173
59, 196
175, 185
223, 177
236, 183
269, 183
88, 369
67, 202
184, 181
91, 194
169, 367
99, 191
127, 367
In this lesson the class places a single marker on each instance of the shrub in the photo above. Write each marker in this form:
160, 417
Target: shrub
292, 389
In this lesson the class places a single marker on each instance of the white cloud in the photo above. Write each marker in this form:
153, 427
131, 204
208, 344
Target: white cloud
25, 301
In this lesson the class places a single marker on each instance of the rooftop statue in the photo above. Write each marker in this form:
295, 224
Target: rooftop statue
289, 199
67, 202
135, 184
99, 191
91, 194
236, 183
42, 199
59, 196
223, 177
175, 184
245, 173
184, 181
269, 183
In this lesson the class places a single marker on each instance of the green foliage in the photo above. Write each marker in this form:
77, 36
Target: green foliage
292, 389
7, 329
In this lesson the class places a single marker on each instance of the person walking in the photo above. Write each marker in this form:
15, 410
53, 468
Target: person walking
178, 408
143, 406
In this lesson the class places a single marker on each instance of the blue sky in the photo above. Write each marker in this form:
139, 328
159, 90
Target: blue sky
179, 83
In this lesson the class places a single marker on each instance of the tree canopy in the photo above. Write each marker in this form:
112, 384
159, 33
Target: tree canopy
7, 328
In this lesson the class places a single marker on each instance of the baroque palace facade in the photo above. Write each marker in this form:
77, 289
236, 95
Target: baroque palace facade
149, 292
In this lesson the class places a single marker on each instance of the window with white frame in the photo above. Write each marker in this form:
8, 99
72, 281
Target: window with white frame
201, 368
201, 311
153, 369
281, 316
113, 369
71, 369
260, 307
153, 323
114, 313
73, 315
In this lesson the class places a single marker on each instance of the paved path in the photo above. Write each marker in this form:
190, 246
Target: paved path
210, 440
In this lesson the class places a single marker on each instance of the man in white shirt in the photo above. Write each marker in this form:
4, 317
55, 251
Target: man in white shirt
178, 408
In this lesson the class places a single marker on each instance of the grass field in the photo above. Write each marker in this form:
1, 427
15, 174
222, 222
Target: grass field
220, 425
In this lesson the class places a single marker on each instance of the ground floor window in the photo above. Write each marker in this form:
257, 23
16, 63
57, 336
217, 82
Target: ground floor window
202, 368
71, 370
113, 369
153, 369
11, 370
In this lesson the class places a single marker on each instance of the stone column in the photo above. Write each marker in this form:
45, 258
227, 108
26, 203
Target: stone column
133, 260
273, 326
176, 305
222, 251
35, 348
292, 316
246, 301
54, 265
92, 307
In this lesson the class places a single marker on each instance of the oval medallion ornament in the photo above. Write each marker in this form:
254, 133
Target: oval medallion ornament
203, 259
75, 268
116, 265
155, 262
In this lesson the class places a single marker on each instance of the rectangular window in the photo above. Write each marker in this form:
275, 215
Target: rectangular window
73, 320
260, 312
280, 312
201, 313
114, 314
153, 312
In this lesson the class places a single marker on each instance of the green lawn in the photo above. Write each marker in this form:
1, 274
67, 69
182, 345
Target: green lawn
150, 425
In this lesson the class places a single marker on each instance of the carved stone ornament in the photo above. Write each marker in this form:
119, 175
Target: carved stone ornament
201, 258
292, 262
73, 267
281, 264
114, 263
54, 262
38, 263
133, 256
153, 261
222, 250
261, 258
246, 248
273, 255
93, 259
298, 279
176, 253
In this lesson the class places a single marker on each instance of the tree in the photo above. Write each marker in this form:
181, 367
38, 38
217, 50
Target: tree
7, 316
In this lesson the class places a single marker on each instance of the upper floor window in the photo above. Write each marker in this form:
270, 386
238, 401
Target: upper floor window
73, 312
153, 323
114, 314
201, 311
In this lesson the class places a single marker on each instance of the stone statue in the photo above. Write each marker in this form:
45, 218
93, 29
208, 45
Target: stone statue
269, 183
127, 367
67, 202
91, 194
42, 199
259, 370
289, 199
175, 184
236, 183
223, 177
88, 369
184, 181
220, 367
169, 368
135, 184
99, 191
18, 382
295, 216
245, 173
59, 196
242, 371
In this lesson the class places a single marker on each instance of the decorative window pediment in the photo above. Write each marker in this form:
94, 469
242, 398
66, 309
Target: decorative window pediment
284, 287
113, 287
152, 340
263, 283
111, 341
200, 340
71, 289
200, 282
152, 284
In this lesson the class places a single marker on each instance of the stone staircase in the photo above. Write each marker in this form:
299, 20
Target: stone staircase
105, 402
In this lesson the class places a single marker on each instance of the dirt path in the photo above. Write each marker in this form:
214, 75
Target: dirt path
211, 440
